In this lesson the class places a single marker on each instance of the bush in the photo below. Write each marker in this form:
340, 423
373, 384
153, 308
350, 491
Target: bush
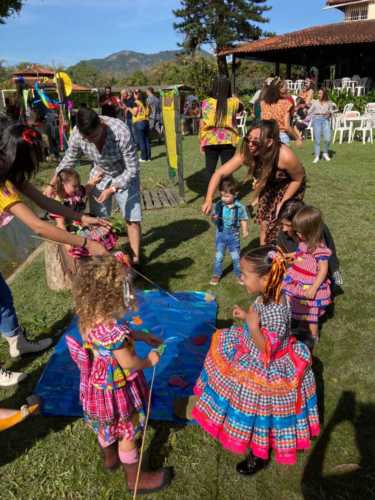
359, 102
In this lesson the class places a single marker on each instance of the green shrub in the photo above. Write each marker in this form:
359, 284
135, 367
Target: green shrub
359, 102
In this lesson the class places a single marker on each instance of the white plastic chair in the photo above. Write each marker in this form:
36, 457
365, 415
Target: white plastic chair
241, 123
289, 84
335, 115
348, 107
370, 108
347, 85
310, 130
337, 85
365, 129
299, 85
345, 124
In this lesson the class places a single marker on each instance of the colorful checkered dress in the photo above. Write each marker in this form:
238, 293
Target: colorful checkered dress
300, 276
113, 399
256, 401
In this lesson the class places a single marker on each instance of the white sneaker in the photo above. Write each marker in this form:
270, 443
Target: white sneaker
142, 161
316, 159
8, 378
326, 157
337, 278
19, 345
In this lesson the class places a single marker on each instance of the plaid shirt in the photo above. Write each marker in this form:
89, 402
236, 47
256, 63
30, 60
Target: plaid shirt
118, 160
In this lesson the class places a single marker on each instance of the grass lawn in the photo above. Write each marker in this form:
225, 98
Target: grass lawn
58, 457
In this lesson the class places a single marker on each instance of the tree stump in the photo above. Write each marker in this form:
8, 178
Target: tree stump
60, 267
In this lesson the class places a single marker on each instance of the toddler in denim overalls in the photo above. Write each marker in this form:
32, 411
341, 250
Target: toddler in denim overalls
230, 217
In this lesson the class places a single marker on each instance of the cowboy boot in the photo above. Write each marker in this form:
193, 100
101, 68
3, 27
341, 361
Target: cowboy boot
110, 456
149, 482
19, 344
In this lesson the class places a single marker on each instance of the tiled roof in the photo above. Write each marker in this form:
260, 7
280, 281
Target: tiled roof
339, 2
356, 32
35, 69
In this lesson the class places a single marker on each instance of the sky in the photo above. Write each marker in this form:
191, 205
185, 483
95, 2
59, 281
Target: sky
63, 32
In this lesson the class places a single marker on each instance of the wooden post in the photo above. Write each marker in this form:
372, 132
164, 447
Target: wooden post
180, 162
60, 267
233, 74
288, 71
277, 69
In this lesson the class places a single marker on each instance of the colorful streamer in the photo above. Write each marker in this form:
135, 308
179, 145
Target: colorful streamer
47, 101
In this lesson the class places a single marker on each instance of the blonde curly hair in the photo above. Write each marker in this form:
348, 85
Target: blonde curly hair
98, 292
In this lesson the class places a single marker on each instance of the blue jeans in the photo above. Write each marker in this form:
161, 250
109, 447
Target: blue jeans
321, 126
128, 201
227, 240
8, 318
129, 123
284, 138
142, 133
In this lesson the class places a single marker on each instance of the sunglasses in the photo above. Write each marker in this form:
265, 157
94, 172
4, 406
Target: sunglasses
251, 142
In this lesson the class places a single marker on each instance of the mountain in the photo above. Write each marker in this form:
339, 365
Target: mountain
128, 61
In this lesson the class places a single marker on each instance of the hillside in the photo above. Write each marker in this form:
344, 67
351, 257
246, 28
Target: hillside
128, 61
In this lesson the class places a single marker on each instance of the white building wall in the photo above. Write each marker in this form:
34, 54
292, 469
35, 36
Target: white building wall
371, 10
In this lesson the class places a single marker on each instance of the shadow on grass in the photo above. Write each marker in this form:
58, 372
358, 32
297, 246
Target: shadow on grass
198, 183
346, 481
159, 449
250, 246
55, 332
161, 273
160, 155
16, 441
173, 234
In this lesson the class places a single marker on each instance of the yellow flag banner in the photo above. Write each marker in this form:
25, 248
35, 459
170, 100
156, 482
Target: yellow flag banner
170, 132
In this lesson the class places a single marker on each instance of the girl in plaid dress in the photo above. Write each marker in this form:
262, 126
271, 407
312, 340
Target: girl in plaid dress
306, 282
71, 193
257, 390
113, 390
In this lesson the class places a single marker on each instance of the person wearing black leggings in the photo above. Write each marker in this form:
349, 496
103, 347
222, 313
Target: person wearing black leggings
218, 133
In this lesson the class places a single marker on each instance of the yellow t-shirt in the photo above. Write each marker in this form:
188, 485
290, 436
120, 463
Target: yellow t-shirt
209, 134
143, 112
8, 197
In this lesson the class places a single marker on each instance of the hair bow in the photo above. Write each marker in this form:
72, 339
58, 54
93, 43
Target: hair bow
122, 258
271, 255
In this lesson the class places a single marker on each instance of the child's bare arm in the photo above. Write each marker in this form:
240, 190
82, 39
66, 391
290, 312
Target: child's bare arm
93, 182
128, 360
60, 223
244, 228
321, 276
253, 322
148, 338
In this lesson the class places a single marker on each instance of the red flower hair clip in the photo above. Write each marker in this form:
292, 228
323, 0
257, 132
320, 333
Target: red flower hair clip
122, 258
29, 134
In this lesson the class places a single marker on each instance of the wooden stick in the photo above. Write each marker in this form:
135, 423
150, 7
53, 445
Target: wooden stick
144, 434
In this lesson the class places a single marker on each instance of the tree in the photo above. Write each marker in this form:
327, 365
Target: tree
219, 23
84, 74
8, 8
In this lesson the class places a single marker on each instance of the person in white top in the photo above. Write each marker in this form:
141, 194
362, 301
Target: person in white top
320, 113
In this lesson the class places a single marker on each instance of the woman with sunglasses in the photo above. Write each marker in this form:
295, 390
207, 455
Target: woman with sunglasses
278, 176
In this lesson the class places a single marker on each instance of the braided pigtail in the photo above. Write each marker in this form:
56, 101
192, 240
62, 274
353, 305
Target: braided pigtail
274, 284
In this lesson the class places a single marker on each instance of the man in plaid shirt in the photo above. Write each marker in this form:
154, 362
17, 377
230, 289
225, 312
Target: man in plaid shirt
107, 142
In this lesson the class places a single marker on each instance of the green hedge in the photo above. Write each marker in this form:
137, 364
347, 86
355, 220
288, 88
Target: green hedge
359, 102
